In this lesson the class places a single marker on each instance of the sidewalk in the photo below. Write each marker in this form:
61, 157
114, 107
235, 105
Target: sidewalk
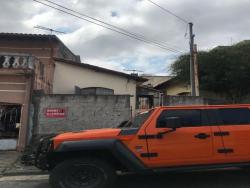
10, 164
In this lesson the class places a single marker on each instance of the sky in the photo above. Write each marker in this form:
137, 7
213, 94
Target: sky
216, 22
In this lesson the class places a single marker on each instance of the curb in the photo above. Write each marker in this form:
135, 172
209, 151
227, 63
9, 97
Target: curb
23, 173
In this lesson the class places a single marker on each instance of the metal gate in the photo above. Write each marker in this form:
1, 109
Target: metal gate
10, 116
9, 121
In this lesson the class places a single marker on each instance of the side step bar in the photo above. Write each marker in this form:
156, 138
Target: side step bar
201, 167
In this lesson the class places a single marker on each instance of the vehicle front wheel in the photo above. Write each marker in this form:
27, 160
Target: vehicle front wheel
82, 173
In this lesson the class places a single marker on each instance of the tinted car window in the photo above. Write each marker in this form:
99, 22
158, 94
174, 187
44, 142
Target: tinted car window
227, 116
234, 116
140, 118
212, 117
188, 118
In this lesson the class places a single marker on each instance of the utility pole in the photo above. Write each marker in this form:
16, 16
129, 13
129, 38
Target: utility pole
196, 74
192, 71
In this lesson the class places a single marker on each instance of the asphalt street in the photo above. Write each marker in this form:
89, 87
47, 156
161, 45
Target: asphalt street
228, 179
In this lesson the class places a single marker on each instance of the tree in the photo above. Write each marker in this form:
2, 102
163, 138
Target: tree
223, 70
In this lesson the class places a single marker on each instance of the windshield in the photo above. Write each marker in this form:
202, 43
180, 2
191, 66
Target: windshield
137, 121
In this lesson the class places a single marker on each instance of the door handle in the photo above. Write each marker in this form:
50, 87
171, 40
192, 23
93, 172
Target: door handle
202, 136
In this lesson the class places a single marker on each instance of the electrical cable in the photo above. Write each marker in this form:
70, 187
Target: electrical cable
169, 12
116, 27
131, 35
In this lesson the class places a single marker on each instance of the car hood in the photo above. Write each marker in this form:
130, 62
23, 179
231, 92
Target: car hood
88, 134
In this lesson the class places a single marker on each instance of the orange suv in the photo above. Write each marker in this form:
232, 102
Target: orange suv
162, 139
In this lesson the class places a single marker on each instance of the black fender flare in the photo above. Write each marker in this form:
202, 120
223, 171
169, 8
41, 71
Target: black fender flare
114, 146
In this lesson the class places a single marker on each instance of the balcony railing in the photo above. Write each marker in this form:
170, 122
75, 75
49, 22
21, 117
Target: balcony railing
17, 61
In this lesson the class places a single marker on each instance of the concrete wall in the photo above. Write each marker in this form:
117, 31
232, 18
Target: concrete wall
82, 112
67, 76
189, 100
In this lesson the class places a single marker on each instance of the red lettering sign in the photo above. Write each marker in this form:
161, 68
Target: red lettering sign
55, 112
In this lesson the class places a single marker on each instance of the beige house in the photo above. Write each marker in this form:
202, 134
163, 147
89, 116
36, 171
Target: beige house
174, 87
70, 75
153, 81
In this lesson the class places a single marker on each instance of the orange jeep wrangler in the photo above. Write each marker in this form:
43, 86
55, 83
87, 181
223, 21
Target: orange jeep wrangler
183, 138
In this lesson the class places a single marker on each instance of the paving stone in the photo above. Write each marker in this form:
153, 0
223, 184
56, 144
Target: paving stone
7, 158
10, 164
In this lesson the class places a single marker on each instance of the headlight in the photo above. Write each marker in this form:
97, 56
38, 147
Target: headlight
46, 144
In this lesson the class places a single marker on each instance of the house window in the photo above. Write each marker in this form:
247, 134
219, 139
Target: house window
42, 71
1, 61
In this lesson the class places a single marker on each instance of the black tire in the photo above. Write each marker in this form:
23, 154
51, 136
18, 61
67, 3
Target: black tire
83, 173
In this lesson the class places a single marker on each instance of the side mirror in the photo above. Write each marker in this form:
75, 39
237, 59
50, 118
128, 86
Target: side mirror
170, 122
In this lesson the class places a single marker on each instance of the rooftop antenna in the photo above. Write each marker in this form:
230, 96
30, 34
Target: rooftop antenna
133, 70
49, 29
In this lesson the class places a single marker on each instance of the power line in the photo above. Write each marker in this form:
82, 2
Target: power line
115, 30
120, 30
116, 27
169, 12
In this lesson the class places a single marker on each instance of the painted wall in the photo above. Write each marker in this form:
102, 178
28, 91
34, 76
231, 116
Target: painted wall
41, 48
67, 76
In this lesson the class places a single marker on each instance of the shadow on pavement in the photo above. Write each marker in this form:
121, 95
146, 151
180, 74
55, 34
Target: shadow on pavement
220, 179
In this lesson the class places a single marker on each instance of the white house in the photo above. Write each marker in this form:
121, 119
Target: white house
70, 75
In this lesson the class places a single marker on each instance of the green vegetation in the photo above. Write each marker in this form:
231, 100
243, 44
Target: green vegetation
225, 70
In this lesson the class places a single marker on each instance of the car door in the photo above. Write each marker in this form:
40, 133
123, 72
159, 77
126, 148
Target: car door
192, 144
235, 130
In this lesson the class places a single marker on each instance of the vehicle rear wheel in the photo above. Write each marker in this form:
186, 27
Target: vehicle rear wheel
83, 173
